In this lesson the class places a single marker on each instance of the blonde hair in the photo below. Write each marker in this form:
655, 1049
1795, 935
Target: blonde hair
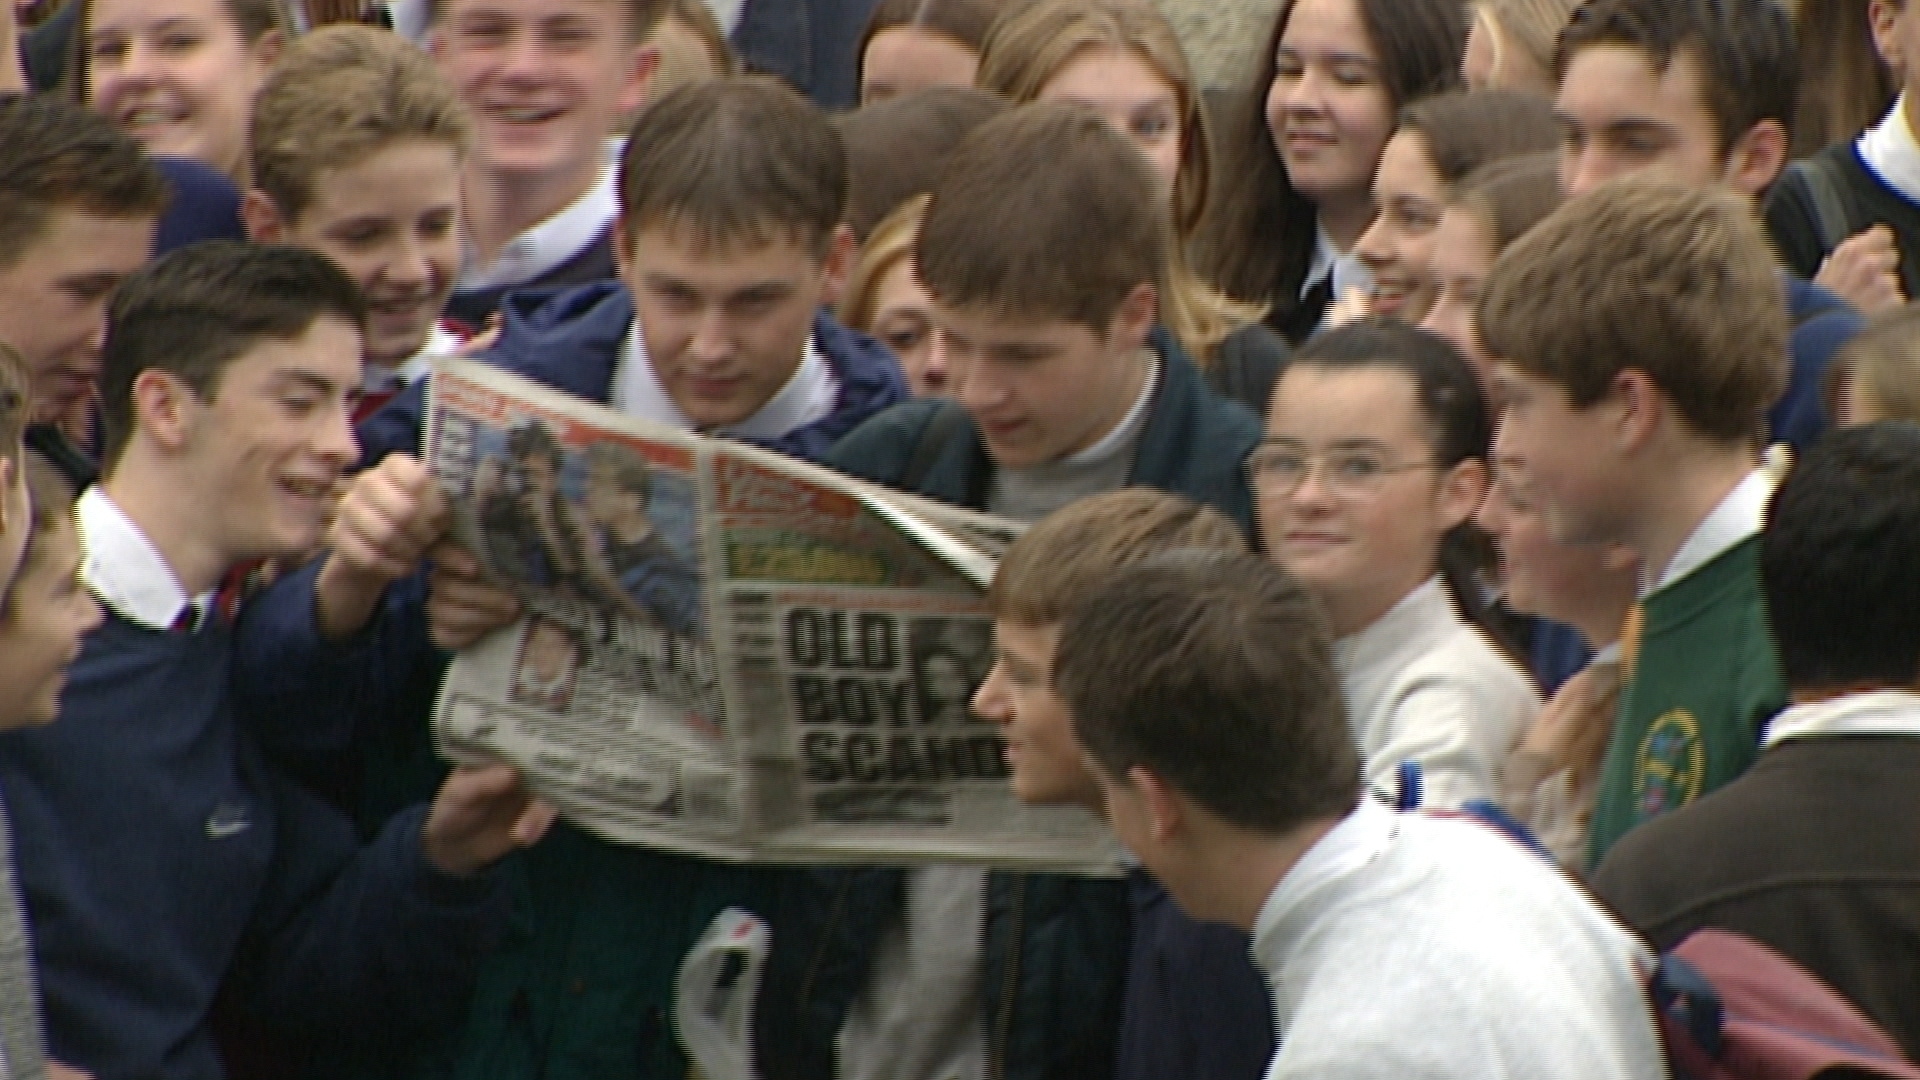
890, 242
1030, 46
338, 96
679, 63
1532, 26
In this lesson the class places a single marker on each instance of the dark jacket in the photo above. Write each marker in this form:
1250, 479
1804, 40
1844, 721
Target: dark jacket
1815, 852
1196, 1006
1055, 947
159, 855
583, 983
1247, 364
590, 265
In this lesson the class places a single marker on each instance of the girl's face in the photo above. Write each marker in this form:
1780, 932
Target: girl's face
1132, 96
903, 321
176, 75
48, 614
903, 59
1398, 248
1462, 256
1541, 576
1362, 529
1328, 108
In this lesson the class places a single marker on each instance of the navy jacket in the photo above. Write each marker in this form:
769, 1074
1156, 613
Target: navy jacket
1822, 323
1056, 947
159, 854
1196, 1006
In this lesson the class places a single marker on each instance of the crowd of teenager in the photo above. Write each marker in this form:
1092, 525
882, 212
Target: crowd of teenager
1472, 462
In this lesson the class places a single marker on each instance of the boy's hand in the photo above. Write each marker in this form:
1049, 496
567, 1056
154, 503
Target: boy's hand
462, 607
1865, 271
57, 1071
386, 521
480, 814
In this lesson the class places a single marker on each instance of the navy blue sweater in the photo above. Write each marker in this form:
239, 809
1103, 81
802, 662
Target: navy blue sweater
158, 855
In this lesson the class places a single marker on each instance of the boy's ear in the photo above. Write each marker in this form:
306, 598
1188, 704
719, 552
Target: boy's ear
642, 62
1166, 813
164, 408
836, 267
262, 218
266, 51
1757, 158
1642, 408
1133, 320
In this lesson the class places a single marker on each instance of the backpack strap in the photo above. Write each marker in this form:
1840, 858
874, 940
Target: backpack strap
1820, 175
947, 424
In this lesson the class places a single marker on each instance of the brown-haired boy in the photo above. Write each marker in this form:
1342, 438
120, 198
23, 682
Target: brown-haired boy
1194, 1004
1639, 336
544, 82
357, 144
79, 202
730, 244
1046, 286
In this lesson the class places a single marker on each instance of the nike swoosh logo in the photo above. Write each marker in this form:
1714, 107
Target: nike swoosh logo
228, 820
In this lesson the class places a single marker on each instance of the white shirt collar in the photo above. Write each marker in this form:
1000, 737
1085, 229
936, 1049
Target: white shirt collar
125, 570
1889, 149
1876, 712
809, 396
552, 242
728, 12
1740, 515
1345, 266
1129, 424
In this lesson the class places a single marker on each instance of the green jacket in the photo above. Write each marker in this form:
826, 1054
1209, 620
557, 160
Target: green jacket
1705, 681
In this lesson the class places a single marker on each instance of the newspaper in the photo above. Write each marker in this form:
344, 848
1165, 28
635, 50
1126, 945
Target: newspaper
727, 652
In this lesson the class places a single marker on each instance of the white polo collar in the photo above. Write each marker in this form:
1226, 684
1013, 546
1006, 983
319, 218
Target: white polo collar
1740, 515
1891, 152
548, 245
809, 396
123, 568
1877, 712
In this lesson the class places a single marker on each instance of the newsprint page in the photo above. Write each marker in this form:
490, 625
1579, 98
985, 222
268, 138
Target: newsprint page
726, 652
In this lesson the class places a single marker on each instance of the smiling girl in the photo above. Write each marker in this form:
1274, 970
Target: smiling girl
179, 75
1439, 141
1303, 144
1375, 455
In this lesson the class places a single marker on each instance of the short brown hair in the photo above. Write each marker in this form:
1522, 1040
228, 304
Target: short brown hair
194, 311
641, 15
1063, 558
737, 161
897, 148
58, 156
1643, 274
16, 401
963, 21
1215, 672
1510, 197
340, 95
1044, 212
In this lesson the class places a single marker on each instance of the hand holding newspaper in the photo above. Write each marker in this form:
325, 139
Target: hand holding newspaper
727, 652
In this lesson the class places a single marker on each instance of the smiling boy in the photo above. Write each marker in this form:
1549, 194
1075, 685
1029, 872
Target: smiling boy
160, 856
357, 146
544, 82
